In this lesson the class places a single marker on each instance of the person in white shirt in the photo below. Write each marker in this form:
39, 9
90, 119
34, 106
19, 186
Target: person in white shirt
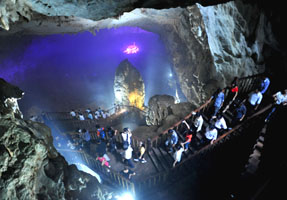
220, 123
73, 113
280, 98
210, 135
127, 135
198, 121
177, 154
90, 115
81, 117
97, 114
128, 157
255, 99
104, 115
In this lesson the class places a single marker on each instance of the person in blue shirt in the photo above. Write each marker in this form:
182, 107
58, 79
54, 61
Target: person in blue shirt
239, 113
171, 140
219, 99
264, 84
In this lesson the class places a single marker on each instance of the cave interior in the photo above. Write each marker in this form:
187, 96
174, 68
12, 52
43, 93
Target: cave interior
63, 65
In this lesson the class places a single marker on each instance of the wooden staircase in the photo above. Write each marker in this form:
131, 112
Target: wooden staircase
160, 158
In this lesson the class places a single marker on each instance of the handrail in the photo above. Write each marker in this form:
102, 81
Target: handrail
67, 112
177, 123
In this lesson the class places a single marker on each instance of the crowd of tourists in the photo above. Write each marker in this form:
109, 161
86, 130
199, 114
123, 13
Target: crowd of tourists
223, 100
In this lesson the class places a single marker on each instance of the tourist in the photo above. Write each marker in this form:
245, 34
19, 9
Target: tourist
73, 113
104, 115
280, 99
104, 162
210, 135
141, 153
232, 94
198, 121
101, 135
253, 102
100, 112
90, 116
264, 84
220, 123
127, 173
172, 140
187, 141
87, 138
239, 114
128, 157
112, 139
97, 114
88, 110
219, 99
127, 138
177, 154
101, 150
81, 116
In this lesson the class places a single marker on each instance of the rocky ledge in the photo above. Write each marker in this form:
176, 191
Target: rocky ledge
30, 166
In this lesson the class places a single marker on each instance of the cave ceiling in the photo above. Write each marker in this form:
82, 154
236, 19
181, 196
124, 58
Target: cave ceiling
47, 17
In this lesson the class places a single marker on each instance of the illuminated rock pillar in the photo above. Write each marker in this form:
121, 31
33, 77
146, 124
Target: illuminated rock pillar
129, 87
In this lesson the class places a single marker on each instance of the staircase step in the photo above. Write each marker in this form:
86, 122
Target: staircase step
166, 157
165, 165
155, 164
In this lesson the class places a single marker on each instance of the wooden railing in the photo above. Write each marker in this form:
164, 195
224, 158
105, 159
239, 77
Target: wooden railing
67, 116
246, 85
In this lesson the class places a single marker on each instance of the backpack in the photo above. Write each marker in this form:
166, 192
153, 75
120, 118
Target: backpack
126, 143
102, 134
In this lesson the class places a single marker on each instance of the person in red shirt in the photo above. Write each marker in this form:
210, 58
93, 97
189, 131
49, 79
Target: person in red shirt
188, 138
232, 94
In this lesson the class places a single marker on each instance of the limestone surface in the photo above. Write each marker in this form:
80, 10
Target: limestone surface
129, 87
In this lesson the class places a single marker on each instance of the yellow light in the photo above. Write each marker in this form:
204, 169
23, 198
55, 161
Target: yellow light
136, 99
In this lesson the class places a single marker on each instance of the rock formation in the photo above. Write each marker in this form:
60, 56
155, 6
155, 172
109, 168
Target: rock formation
159, 109
129, 87
163, 112
30, 166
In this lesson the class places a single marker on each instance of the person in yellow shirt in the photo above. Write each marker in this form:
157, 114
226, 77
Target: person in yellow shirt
141, 154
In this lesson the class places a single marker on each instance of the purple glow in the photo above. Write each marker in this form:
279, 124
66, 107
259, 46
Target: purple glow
57, 71
131, 49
